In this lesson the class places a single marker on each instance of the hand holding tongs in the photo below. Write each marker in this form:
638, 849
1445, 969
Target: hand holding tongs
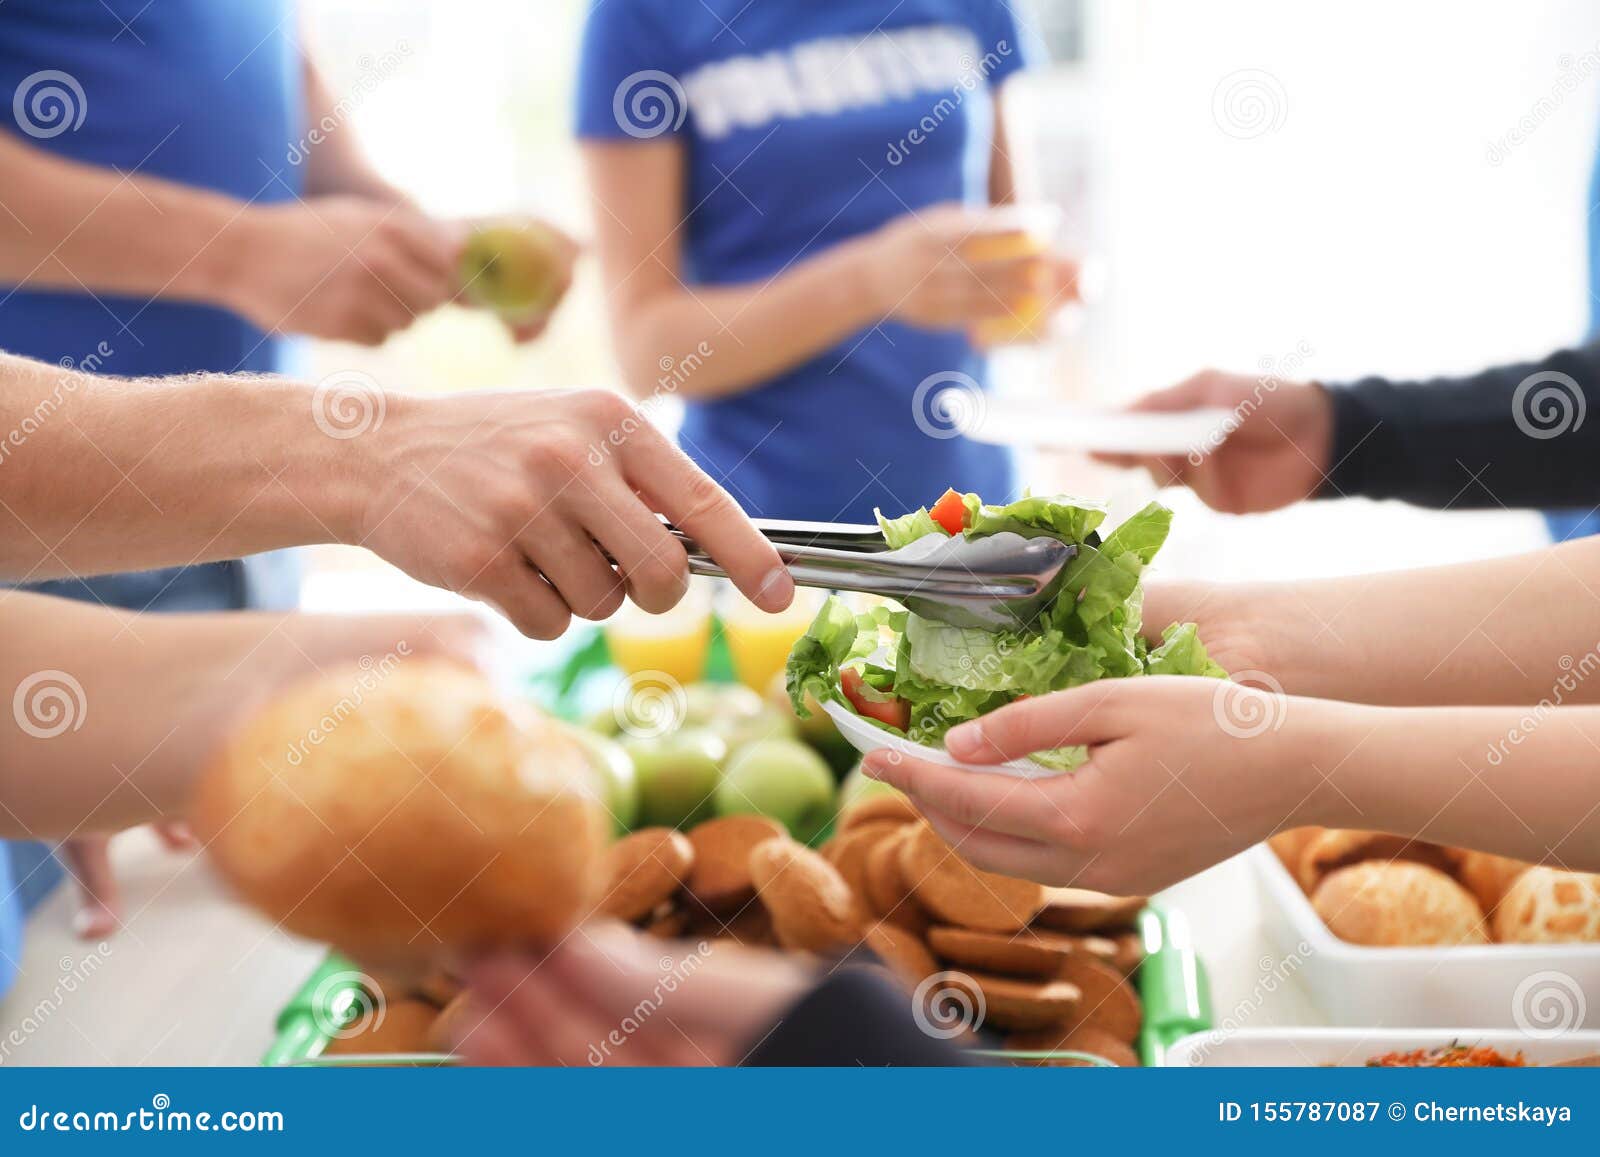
997, 582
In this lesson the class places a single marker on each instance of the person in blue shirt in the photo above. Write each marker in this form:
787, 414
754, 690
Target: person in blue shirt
181, 189
784, 198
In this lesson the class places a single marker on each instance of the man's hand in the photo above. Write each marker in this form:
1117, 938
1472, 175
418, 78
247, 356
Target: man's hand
518, 499
1278, 453
1182, 773
579, 1005
343, 268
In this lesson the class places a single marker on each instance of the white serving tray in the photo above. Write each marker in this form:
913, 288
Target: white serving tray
1538, 987
1350, 1047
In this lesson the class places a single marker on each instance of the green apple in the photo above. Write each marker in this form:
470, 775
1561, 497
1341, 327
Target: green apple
678, 775
615, 784
781, 778
515, 268
705, 704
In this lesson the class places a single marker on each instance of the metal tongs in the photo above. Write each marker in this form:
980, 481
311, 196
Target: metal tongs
1000, 582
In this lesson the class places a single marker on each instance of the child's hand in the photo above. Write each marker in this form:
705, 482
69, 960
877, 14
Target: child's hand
1182, 773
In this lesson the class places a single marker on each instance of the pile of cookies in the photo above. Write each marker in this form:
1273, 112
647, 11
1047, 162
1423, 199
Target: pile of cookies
1048, 966
1387, 891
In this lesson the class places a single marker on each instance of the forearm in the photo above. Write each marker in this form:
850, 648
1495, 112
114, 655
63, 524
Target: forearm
115, 714
1513, 436
336, 164
73, 226
1520, 782
1500, 631
99, 474
753, 331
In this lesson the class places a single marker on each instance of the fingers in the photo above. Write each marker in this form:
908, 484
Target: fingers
100, 898
995, 852
651, 561
175, 835
1085, 715
567, 557
678, 489
971, 799
513, 587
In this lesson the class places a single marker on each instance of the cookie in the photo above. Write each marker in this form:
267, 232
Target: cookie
643, 870
812, 907
1079, 1039
888, 897
1022, 953
750, 926
902, 953
848, 852
1081, 910
891, 807
1127, 952
958, 893
1109, 1002
1011, 1003
400, 1026
668, 921
720, 878
458, 1018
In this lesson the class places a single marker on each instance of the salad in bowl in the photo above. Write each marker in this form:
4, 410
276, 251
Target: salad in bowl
914, 678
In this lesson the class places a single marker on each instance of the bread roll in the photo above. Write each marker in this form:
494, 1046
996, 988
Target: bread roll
1549, 906
404, 815
1334, 848
1392, 904
1487, 876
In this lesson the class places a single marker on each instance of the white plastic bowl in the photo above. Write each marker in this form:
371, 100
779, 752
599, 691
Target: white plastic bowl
1477, 985
1350, 1047
864, 737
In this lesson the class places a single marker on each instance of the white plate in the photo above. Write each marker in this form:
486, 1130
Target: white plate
1057, 426
864, 737
1483, 985
1350, 1047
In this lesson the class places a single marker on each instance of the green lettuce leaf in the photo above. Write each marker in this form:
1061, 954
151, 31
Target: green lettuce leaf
1182, 653
906, 529
1058, 516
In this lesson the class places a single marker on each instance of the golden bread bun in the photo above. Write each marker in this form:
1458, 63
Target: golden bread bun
402, 814
1334, 848
1288, 845
1549, 906
1487, 876
1401, 903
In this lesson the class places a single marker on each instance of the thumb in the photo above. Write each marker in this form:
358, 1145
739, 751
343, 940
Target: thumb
1087, 715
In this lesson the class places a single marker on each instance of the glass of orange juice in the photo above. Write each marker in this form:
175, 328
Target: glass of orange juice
1024, 230
675, 643
758, 642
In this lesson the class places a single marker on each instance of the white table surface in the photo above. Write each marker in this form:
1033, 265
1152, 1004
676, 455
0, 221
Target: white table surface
194, 979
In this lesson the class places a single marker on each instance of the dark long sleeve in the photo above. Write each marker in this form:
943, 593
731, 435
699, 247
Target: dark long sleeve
857, 1016
1525, 435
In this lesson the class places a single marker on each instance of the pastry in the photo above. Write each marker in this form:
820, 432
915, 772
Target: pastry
812, 907
1549, 906
1080, 910
958, 893
889, 807
1012, 1003
719, 879
1023, 953
888, 896
427, 815
1487, 876
1289, 844
902, 953
1109, 1002
1386, 904
643, 870
1334, 848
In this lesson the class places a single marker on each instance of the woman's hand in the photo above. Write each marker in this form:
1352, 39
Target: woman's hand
1182, 773
919, 273
608, 996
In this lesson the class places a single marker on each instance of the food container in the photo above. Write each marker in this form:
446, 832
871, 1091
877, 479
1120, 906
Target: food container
1351, 1047
1542, 988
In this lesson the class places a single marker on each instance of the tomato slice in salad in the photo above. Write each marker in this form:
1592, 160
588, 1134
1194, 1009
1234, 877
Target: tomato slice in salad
874, 704
950, 512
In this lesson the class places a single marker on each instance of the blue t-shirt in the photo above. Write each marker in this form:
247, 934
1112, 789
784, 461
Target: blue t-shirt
805, 124
204, 93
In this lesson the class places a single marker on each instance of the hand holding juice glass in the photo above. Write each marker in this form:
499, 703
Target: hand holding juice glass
1022, 230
